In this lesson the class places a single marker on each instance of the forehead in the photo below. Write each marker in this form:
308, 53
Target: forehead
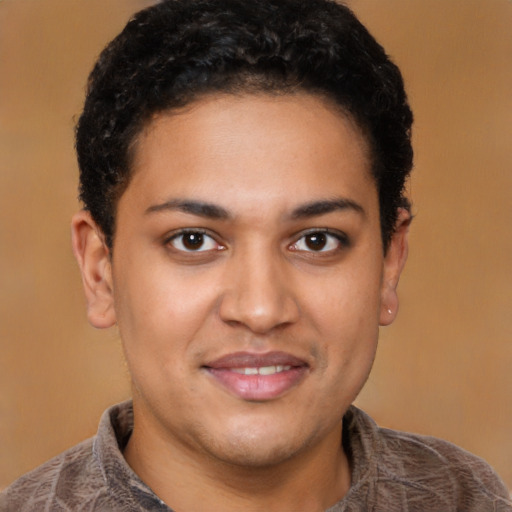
291, 147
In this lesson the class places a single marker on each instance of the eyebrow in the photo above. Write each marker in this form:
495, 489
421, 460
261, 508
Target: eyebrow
213, 211
323, 207
199, 208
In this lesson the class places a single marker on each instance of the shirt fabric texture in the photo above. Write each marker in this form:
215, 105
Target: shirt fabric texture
391, 472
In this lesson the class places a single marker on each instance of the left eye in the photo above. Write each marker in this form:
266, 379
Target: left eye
318, 241
193, 241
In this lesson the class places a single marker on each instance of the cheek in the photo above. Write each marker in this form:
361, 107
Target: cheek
160, 310
159, 318
346, 317
347, 302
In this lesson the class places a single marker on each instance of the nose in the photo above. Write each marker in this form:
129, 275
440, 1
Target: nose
258, 294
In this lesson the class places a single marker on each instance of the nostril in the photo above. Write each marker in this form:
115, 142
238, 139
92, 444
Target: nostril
259, 299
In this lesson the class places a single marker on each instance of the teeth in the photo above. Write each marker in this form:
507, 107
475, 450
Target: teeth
270, 370
262, 370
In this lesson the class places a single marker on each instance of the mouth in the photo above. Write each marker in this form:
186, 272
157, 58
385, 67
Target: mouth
257, 377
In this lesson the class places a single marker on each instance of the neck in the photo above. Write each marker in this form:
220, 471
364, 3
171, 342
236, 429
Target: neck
312, 480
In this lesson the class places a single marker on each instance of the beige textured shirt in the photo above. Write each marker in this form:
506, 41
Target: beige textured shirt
392, 472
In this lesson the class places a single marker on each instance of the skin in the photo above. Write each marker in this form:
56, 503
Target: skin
258, 284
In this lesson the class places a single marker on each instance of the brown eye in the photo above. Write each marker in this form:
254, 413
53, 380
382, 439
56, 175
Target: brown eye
194, 241
321, 241
316, 241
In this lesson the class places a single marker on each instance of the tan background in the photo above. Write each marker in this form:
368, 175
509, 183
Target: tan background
442, 369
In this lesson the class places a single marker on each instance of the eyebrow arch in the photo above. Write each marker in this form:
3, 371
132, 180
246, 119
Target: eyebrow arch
199, 208
326, 206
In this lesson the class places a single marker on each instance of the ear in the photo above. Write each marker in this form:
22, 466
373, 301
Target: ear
394, 262
93, 258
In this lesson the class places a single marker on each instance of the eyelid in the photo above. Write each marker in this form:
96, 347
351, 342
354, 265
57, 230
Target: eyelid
341, 237
169, 238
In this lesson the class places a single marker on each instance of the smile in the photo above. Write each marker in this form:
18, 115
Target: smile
263, 370
257, 377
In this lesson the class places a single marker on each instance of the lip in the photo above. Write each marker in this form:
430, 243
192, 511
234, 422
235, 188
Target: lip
257, 387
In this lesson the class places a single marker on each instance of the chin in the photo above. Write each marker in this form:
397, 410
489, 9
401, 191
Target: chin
255, 446
254, 456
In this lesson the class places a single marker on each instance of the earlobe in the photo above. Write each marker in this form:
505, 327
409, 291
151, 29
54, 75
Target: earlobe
394, 262
93, 258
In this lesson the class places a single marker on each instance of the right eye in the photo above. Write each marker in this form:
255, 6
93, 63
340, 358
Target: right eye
193, 241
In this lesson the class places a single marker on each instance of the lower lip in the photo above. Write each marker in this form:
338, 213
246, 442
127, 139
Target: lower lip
258, 387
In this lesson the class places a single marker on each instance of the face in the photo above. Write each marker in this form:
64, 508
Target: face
248, 278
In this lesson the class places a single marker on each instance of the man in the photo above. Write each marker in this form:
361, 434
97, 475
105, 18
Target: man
244, 225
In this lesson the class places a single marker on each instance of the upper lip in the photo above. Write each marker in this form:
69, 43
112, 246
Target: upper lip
255, 360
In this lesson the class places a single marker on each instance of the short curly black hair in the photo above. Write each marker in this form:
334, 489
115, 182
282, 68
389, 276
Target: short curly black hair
170, 54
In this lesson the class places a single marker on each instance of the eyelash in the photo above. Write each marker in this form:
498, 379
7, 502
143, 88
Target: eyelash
340, 239
201, 233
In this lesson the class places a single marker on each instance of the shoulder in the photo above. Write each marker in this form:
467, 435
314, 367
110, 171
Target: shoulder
430, 470
72, 478
420, 453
